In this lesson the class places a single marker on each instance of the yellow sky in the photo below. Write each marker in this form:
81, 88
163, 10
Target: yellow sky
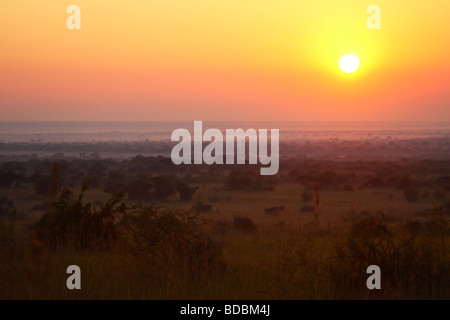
266, 59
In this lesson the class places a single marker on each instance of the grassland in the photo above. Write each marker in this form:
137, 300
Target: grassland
315, 254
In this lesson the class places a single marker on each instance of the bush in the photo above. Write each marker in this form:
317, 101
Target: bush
435, 224
244, 224
203, 207
167, 238
7, 208
77, 225
186, 192
8, 216
369, 225
413, 264
274, 211
7, 237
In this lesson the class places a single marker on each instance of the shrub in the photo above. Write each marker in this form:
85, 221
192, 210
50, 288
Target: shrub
274, 211
369, 225
244, 224
7, 208
77, 225
8, 216
203, 207
167, 238
186, 192
413, 264
7, 236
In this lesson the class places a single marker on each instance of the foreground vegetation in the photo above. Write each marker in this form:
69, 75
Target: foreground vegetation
142, 229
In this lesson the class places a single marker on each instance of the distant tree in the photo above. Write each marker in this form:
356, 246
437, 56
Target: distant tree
404, 182
327, 178
41, 184
139, 190
47, 185
96, 167
14, 167
94, 180
115, 182
162, 187
186, 192
7, 179
375, 182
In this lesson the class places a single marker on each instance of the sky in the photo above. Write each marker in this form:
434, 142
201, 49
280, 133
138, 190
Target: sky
235, 60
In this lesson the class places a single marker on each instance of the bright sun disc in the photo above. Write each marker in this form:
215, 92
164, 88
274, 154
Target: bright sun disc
349, 63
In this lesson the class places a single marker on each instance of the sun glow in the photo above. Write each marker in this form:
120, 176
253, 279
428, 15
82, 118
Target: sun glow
349, 63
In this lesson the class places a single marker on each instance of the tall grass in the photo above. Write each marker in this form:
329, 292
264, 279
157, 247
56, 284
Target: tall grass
162, 253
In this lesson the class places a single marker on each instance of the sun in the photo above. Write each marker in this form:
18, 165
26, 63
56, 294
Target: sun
349, 63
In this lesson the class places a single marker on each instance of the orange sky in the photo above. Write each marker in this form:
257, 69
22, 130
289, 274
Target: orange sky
224, 60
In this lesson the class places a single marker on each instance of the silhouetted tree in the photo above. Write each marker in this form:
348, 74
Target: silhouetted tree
139, 190
162, 187
7, 179
186, 192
